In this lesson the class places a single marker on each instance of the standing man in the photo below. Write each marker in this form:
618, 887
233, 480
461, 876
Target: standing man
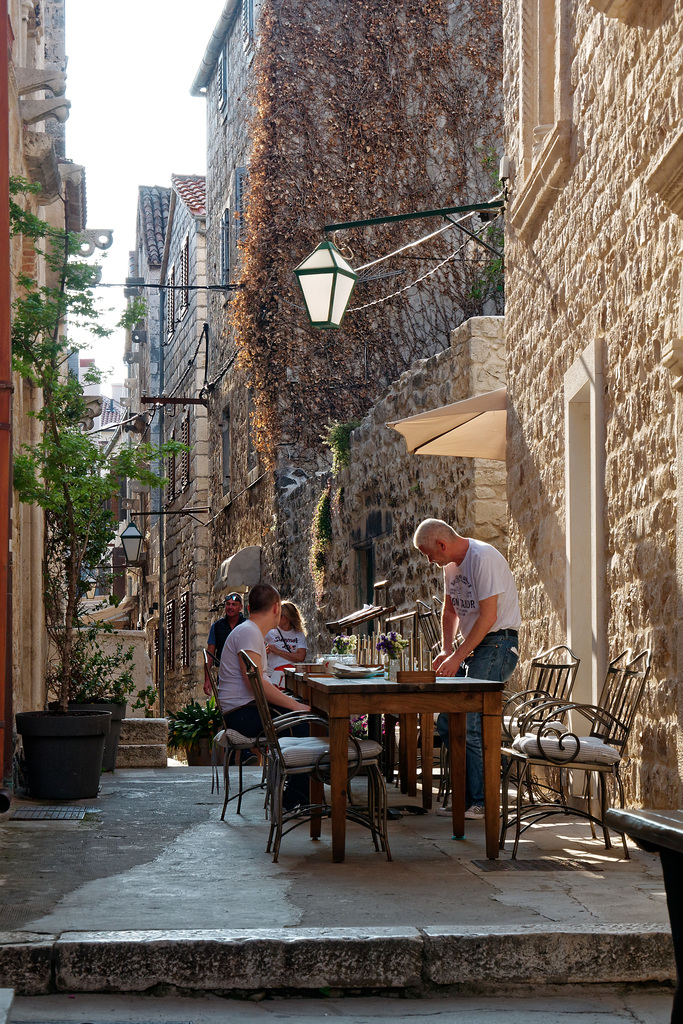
480, 601
223, 627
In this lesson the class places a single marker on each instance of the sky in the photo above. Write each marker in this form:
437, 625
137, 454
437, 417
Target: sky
132, 120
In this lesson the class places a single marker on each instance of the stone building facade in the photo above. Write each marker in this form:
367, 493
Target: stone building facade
272, 389
36, 102
185, 344
143, 351
593, 108
166, 354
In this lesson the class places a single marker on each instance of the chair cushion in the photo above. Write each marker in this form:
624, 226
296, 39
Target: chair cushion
299, 751
236, 739
511, 725
591, 750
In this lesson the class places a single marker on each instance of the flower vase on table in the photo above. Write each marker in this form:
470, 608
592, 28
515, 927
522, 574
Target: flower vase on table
344, 649
390, 646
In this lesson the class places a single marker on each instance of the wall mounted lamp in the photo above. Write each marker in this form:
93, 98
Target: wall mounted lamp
327, 280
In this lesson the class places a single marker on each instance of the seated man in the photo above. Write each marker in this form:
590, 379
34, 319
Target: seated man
234, 692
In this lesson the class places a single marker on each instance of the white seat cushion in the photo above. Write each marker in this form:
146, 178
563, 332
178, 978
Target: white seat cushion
299, 751
511, 725
591, 750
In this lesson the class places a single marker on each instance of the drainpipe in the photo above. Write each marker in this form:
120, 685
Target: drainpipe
6, 490
162, 519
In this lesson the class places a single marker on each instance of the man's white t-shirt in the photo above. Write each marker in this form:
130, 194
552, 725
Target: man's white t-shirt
482, 573
289, 639
233, 691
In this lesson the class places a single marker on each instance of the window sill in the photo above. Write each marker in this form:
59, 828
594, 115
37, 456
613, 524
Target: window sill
547, 175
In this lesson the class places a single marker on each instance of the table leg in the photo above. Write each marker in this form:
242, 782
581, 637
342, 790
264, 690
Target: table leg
339, 770
317, 787
411, 755
457, 723
490, 738
403, 753
427, 747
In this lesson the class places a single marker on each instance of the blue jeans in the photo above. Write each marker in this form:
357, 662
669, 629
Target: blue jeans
494, 658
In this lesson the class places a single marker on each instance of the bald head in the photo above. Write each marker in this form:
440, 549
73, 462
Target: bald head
430, 531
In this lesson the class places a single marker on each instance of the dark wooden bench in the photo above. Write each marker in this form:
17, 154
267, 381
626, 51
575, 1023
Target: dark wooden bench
661, 832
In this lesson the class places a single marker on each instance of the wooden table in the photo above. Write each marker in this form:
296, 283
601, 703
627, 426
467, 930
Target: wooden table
338, 699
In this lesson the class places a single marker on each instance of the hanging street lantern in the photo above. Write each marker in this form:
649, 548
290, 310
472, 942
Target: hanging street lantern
131, 541
326, 281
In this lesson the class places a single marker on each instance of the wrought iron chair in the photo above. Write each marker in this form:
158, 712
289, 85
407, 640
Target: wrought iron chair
552, 674
227, 741
545, 742
294, 755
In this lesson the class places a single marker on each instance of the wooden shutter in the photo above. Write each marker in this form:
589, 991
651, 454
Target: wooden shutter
170, 473
170, 303
185, 456
185, 629
241, 185
185, 274
170, 635
248, 23
225, 246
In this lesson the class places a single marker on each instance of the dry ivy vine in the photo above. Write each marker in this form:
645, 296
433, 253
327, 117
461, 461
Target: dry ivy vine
361, 111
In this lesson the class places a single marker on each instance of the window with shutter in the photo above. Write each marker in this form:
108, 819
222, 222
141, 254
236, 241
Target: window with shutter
170, 303
241, 184
225, 246
184, 275
185, 456
222, 78
156, 654
185, 629
225, 436
170, 473
248, 24
170, 635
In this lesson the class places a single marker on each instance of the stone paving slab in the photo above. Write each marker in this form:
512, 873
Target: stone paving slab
596, 1005
152, 888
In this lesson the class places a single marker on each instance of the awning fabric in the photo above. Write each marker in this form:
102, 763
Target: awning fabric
474, 428
239, 572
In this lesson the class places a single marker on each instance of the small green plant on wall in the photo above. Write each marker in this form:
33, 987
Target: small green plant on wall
337, 438
321, 539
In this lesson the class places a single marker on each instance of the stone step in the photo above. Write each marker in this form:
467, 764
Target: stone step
6, 996
142, 755
144, 730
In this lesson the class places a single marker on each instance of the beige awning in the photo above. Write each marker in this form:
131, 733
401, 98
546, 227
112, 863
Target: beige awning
121, 616
474, 428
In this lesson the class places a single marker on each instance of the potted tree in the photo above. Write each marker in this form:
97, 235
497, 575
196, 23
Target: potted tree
73, 480
193, 728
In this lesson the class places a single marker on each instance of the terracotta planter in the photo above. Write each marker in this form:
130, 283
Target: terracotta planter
63, 752
200, 754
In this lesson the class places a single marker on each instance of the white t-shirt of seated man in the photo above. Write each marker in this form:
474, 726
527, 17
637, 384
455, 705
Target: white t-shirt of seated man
289, 640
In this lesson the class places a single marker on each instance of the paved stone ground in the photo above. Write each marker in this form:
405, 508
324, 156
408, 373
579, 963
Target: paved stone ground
152, 878
604, 1006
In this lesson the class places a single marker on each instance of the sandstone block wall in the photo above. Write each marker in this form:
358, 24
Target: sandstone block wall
602, 264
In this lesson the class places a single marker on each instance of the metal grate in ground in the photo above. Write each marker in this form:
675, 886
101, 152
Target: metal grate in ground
48, 814
537, 864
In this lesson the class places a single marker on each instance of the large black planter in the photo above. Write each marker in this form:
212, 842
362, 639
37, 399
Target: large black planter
111, 740
63, 752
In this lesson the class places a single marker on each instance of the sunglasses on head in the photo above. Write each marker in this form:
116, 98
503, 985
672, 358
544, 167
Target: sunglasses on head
234, 597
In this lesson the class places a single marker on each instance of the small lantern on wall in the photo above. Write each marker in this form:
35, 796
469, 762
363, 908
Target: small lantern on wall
131, 541
327, 282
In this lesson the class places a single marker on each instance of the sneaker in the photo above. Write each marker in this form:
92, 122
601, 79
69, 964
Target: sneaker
476, 811
445, 812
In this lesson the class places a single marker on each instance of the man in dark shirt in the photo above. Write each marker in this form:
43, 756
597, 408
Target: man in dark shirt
223, 627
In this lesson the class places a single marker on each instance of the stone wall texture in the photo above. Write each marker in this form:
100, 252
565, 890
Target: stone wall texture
380, 498
601, 264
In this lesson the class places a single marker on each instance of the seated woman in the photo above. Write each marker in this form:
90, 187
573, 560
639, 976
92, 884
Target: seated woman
286, 644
